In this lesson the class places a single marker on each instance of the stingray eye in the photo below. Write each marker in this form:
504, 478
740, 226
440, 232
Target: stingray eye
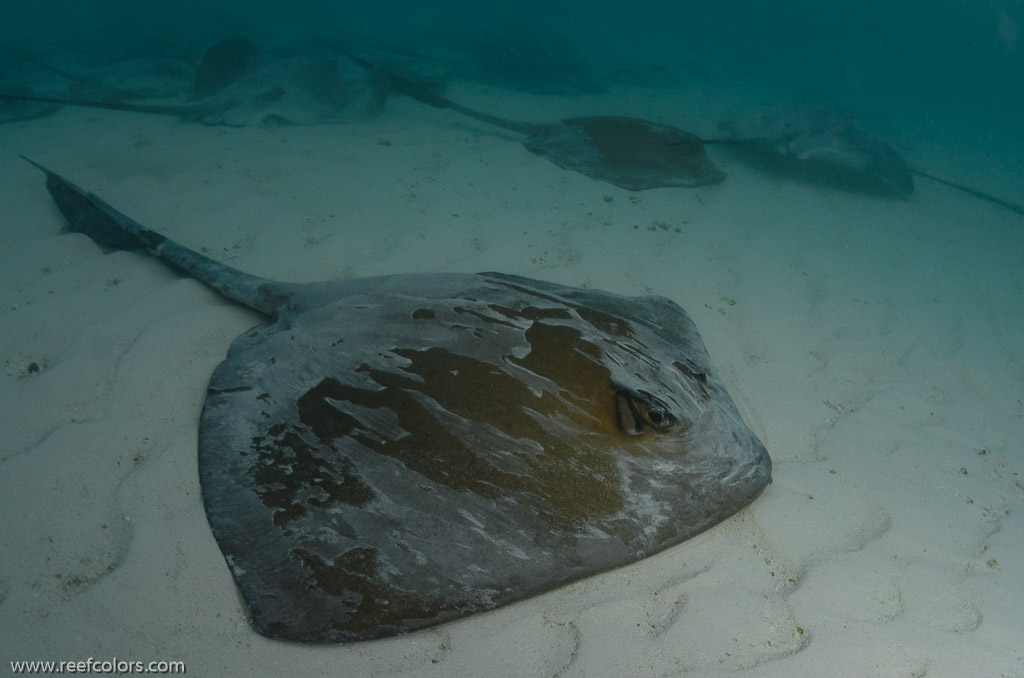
658, 418
654, 413
637, 411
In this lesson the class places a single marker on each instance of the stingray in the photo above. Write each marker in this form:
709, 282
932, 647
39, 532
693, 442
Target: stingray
385, 454
631, 153
23, 109
829, 148
824, 147
238, 84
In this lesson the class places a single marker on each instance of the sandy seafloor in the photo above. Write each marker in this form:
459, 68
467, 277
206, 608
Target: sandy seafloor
874, 345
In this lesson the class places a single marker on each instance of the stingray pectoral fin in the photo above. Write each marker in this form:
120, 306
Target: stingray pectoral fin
90, 215
415, 90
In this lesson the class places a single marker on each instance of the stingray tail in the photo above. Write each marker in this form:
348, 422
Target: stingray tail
988, 197
415, 90
90, 215
153, 109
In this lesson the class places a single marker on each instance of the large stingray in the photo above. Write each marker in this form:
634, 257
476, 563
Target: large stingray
237, 84
384, 454
827, 147
631, 153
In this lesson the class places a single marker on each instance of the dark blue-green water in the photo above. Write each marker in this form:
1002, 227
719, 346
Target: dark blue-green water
951, 58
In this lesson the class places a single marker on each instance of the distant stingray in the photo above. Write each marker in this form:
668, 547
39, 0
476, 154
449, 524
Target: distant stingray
238, 84
21, 106
827, 147
637, 154
385, 454
631, 153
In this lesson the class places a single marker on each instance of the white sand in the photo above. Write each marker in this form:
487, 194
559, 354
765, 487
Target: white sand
875, 346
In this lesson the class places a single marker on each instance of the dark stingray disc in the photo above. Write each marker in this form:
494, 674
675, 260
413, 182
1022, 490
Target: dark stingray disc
628, 152
385, 454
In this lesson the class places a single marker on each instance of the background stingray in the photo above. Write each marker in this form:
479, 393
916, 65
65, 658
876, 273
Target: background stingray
87, 75
384, 454
238, 84
628, 152
24, 109
826, 147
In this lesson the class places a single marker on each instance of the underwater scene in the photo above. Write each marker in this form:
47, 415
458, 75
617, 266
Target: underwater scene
541, 339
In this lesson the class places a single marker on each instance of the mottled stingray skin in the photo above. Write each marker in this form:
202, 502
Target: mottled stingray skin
389, 453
